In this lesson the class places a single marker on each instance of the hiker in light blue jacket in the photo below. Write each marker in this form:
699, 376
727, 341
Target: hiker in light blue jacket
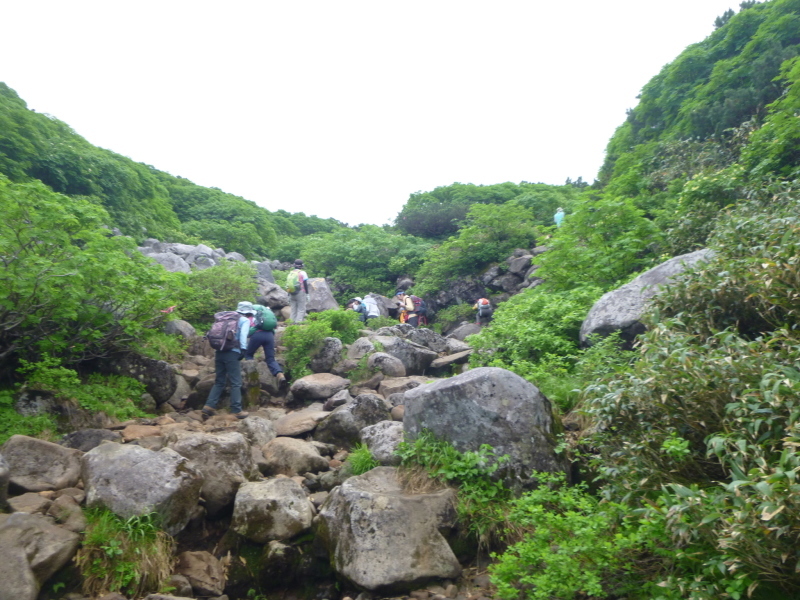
559, 216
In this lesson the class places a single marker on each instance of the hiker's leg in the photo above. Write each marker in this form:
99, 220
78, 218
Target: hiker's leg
256, 340
219, 379
301, 307
293, 306
269, 353
235, 377
413, 321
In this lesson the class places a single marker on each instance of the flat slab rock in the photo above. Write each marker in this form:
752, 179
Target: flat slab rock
452, 359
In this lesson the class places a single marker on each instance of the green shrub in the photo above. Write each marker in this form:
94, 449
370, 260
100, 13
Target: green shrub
378, 322
453, 315
361, 459
218, 288
161, 346
132, 556
303, 340
12, 423
573, 545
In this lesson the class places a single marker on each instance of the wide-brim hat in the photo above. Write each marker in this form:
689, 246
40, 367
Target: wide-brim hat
245, 307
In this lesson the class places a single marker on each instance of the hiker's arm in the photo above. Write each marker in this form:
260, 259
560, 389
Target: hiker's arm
244, 329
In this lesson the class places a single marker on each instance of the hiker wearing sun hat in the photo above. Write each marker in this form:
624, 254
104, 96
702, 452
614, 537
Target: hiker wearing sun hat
226, 361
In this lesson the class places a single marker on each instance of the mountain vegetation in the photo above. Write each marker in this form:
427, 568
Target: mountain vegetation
688, 444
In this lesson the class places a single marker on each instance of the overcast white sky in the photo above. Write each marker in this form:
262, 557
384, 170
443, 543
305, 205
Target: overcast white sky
343, 108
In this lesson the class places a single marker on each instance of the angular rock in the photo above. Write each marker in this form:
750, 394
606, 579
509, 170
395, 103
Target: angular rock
455, 346
336, 400
137, 432
464, 330
5, 476
320, 296
290, 456
31, 550
181, 328
490, 406
415, 358
327, 356
132, 481
272, 295
31, 503
319, 386
36, 465
384, 540
201, 250
343, 427
264, 271
440, 365
361, 347
398, 385
257, 430
428, 338
382, 440
158, 376
171, 262
299, 422
621, 309
277, 509
518, 265
181, 393
389, 365
204, 571
86, 439
223, 460
68, 514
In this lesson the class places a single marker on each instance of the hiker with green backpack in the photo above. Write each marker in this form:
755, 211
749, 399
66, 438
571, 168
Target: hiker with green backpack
262, 335
297, 286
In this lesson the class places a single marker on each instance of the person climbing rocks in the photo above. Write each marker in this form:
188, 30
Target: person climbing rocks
373, 311
357, 305
485, 312
559, 216
406, 305
262, 335
227, 357
297, 286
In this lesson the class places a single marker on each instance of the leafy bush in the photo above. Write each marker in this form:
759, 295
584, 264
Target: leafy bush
12, 423
303, 340
573, 545
481, 499
378, 322
453, 315
218, 288
161, 346
132, 556
361, 460
67, 287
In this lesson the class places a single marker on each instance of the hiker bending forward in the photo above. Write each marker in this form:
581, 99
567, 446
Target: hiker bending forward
407, 304
262, 335
226, 363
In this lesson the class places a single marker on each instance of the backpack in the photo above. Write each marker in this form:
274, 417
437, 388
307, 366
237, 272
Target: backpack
222, 335
372, 307
484, 308
419, 305
264, 319
293, 281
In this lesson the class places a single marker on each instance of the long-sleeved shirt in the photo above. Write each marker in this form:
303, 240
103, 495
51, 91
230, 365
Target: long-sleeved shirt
242, 329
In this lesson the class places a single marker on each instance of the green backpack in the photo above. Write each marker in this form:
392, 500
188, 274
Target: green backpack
264, 319
293, 281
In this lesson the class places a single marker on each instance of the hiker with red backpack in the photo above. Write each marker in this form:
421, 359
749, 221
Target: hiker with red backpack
228, 336
485, 312
414, 307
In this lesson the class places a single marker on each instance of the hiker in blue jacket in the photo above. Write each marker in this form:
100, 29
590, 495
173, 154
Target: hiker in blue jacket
559, 216
226, 363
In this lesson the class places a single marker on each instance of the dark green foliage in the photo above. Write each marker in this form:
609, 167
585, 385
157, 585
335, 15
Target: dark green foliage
303, 340
211, 290
67, 288
490, 234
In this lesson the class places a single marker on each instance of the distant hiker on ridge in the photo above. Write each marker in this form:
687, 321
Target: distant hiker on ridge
559, 216
373, 312
485, 312
297, 286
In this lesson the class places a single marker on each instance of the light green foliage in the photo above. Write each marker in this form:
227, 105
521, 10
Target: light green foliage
12, 423
132, 556
363, 260
161, 346
361, 459
490, 234
218, 288
573, 545
453, 315
303, 340
601, 244
379, 322
536, 335
481, 498
66, 287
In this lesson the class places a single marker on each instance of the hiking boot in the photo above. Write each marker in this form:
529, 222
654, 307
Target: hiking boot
208, 411
281, 379
242, 415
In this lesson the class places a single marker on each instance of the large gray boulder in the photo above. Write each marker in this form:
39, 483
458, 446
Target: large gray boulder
489, 406
271, 294
264, 271
382, 439
36, 465
204, 571
415, 358
319, 386
343, 427
133, 481
5, 475
464, 330
320, 296
301, 421
290, 456
384, 540
32, 549
277, 509
171, 262
223, 460
389, 365
327, 356
158, 376
86, 439
257, 430
360, 348
200, 251
180, 327
621, 309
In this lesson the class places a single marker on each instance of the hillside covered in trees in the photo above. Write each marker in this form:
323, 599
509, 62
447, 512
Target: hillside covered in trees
689, 441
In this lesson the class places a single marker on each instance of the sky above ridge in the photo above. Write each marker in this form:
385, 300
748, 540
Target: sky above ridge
343, 109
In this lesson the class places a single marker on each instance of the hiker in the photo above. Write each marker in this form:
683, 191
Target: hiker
559, 216
297, 286
357, 305
373, 311
485, 312
228, 336
262, 335
406, 305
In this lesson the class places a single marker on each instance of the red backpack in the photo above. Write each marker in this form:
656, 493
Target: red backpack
222, 335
